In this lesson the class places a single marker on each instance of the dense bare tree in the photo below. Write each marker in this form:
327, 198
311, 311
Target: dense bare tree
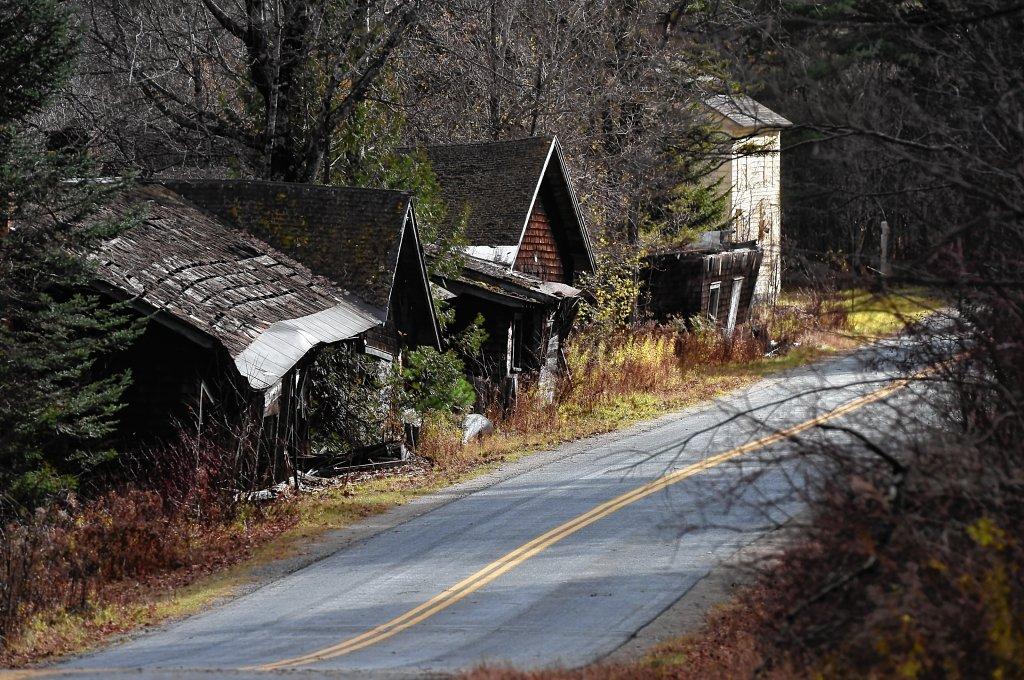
600, 74
302, 92
267, 84
910, 561
900, 110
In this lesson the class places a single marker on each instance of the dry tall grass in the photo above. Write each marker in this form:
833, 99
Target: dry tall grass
612, 380
77, 560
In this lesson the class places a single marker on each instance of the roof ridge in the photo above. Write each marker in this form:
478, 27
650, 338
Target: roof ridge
279, 183
494, 142
337, 290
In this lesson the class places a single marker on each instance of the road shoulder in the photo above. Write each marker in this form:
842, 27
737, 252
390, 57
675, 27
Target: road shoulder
688, 614
332, 541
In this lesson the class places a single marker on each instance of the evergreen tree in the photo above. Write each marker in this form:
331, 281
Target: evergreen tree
57, 409
689, 199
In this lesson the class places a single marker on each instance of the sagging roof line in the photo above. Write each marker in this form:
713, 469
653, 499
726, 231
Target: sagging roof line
362, 226
528, 286
288, 309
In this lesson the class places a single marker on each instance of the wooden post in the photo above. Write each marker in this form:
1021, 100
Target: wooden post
883, 258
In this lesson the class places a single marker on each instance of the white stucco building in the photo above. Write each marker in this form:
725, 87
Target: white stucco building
751, 176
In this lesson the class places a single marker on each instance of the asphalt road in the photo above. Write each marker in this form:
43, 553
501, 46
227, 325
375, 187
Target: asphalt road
538, 581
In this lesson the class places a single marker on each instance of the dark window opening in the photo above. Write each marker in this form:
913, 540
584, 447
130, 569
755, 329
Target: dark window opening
517, 343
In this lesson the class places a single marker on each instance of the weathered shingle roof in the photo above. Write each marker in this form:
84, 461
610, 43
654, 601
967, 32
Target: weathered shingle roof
266, 309
496, 181
745, 112
350, 235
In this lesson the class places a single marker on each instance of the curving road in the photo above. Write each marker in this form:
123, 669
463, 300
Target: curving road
559, 560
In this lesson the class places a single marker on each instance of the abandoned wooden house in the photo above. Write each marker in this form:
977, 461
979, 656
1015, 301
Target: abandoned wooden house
527, 245
526, 321
234, 324
711, 282
751, 175
363, 240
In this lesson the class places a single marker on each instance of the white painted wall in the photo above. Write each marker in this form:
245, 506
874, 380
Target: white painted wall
755, 204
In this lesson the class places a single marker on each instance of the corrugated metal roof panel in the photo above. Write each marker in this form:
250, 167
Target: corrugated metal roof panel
273, 353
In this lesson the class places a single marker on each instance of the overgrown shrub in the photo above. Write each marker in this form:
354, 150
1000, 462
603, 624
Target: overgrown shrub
921, 580
614, 285
801, 315
22, 549
63, 554
437, 382
702, 344
440, 441
355, 401
197, 477
652, 358
641, 360
173, 514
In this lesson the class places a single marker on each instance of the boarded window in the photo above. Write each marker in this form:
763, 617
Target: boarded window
713, 297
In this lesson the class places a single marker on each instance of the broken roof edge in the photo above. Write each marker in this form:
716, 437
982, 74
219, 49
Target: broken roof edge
527, 288
461, 285
276, 351
698, 248
526, 284
295, 334
338, 315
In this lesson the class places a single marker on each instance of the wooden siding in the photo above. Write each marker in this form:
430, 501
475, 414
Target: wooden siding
410, 322
384, 338
539, 253
493, 360
678, 285
164, 396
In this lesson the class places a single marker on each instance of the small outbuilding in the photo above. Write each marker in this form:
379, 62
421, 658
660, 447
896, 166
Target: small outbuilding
713, 282
752, 176
235, 324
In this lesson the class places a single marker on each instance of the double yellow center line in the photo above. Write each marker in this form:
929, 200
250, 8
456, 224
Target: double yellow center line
524, 552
